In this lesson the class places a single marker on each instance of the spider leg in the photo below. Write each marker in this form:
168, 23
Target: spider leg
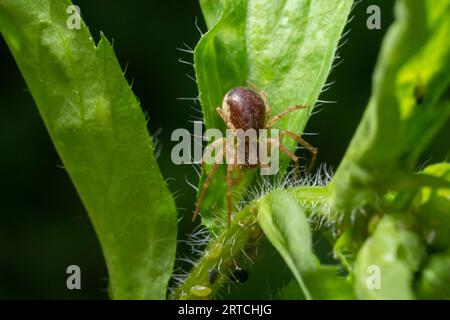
263, 96
287, 152
206, 184
230, 168
272, 121
210, 148
314, 151
293, 157
238, 179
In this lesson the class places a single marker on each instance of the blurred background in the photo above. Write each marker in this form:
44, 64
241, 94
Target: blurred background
43, 225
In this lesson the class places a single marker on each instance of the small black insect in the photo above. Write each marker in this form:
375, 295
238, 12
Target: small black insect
212, 275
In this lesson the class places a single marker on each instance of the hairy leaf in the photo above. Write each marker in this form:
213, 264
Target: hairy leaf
285, 225
100, 133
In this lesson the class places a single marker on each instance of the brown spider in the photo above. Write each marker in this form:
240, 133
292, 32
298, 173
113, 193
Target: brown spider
243, 108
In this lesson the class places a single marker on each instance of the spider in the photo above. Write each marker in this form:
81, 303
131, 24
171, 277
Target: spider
244, 108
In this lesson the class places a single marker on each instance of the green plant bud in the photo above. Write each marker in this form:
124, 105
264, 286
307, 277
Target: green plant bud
386, 263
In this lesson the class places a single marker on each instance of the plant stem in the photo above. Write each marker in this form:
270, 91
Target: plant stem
235, 248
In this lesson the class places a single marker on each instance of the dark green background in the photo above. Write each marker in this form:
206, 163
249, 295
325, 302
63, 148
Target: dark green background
43, 225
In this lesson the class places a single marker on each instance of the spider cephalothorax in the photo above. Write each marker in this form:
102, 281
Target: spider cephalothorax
245, 109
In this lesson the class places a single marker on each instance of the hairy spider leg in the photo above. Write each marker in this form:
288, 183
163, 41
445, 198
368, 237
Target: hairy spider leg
230, 168
205, 186
314, 151
263, 96
272, 121
210, 148
238, 179
214, 168
287, 152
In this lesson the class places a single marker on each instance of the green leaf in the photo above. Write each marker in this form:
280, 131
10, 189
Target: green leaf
386, 263
410, 103
286, 226
100, 133
212, 10
220, 57
349, 242
283, 48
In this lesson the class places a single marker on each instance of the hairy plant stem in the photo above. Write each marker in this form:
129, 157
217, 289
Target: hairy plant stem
236, 247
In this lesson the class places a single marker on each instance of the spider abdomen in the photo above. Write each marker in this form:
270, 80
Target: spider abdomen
245, 108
